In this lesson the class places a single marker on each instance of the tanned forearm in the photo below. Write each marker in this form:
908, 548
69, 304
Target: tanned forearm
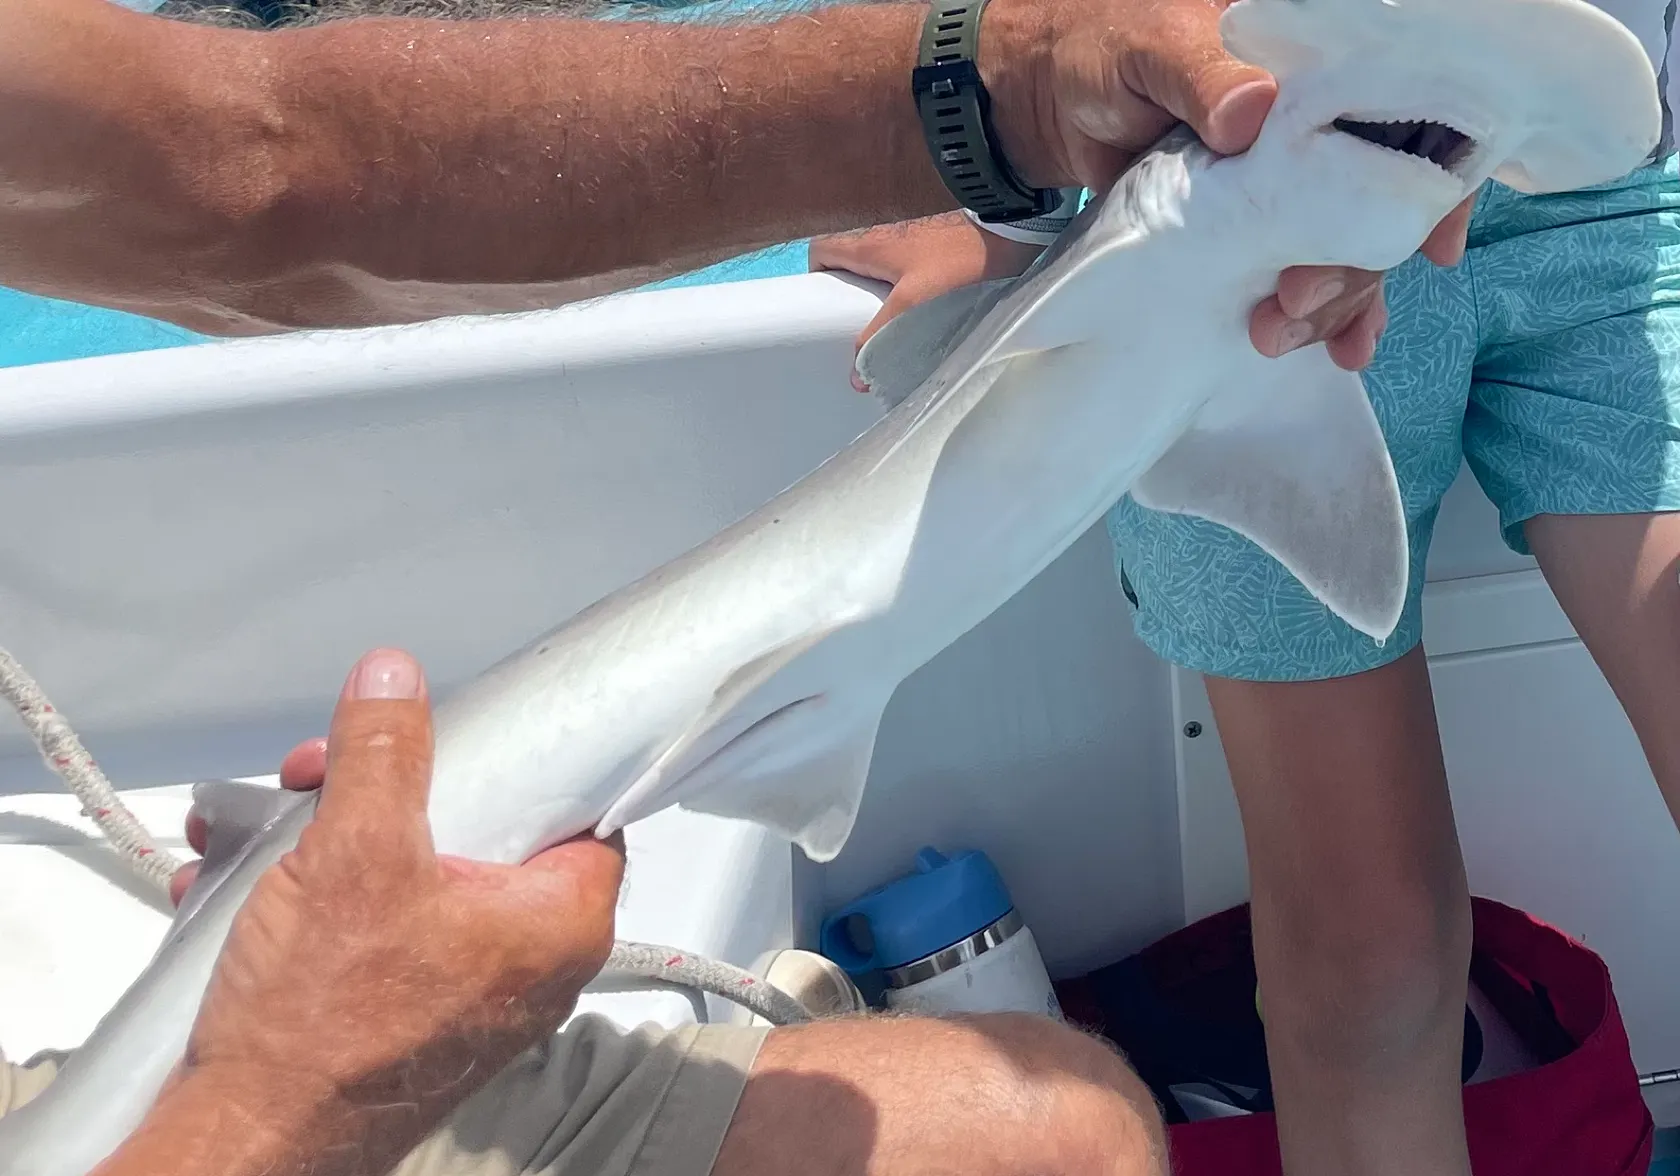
603, 148
388, 170
236, 1121
230, 1125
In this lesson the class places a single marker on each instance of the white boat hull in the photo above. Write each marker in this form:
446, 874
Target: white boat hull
214, 533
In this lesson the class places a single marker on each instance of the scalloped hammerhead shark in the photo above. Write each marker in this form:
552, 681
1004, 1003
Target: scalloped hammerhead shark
747, 677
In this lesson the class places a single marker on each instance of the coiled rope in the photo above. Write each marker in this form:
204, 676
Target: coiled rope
630, 966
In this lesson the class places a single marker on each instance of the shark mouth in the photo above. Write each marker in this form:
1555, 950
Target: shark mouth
1435, 142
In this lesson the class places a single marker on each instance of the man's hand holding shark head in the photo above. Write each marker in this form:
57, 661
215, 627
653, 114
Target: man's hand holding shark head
205, 217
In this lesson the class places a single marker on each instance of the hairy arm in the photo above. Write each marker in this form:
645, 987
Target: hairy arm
222, 1125
390, 170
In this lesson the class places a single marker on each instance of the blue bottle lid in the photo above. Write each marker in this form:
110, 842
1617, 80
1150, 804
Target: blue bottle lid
944, 902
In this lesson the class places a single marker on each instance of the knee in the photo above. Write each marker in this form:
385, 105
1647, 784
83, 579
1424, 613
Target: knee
991, 1094
1075, 1105
1350, 976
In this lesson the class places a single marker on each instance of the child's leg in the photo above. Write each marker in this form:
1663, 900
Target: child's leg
1361, 916
1574, 426
1616, 577
1361, 913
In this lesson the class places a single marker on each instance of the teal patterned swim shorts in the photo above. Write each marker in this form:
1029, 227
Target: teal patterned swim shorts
1549, 360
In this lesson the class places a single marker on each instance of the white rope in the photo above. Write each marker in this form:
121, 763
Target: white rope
630, 967
637, 967
65, 755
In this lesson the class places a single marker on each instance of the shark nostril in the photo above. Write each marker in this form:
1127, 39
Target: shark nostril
1436, 142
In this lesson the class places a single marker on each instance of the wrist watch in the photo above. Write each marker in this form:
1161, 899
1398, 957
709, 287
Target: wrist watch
1038, 230
956, 117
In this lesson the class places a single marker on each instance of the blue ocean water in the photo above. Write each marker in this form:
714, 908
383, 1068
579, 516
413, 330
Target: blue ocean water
40, 330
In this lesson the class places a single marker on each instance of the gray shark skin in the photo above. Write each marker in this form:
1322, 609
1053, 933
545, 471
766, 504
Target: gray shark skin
747, 677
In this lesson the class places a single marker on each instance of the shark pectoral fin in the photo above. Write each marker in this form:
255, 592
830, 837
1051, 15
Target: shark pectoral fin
234, 814
900, 357
652, 790
1299, 467
799, 772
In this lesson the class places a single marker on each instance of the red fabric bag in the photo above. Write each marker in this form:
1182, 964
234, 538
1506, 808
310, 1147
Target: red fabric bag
1578, 1114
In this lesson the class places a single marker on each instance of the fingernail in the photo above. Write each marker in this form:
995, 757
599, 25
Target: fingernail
1245, 106
1294, 333
1322, 295
384, 673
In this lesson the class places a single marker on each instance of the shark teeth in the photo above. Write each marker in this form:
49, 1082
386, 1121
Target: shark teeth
1435, 142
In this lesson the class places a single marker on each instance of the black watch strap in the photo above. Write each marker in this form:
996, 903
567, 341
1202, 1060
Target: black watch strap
957, 119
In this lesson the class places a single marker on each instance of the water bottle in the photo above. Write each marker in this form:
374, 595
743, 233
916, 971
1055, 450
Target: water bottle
945, 939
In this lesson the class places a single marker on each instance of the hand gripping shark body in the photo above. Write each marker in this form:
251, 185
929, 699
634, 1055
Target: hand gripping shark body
747, 677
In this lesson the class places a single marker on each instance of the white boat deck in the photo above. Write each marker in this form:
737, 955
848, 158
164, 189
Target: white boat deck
202, 540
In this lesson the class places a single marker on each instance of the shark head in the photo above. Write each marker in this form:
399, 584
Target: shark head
1400, 109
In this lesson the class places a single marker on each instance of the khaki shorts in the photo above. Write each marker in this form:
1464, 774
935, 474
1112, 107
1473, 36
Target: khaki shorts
595, 1100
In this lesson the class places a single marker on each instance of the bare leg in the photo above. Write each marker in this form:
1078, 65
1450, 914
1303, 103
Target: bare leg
1003, 1095
1361, 917
1616, 577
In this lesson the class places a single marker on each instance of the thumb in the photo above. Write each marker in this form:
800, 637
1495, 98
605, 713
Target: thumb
1188, 73
379, 758
1238, 102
